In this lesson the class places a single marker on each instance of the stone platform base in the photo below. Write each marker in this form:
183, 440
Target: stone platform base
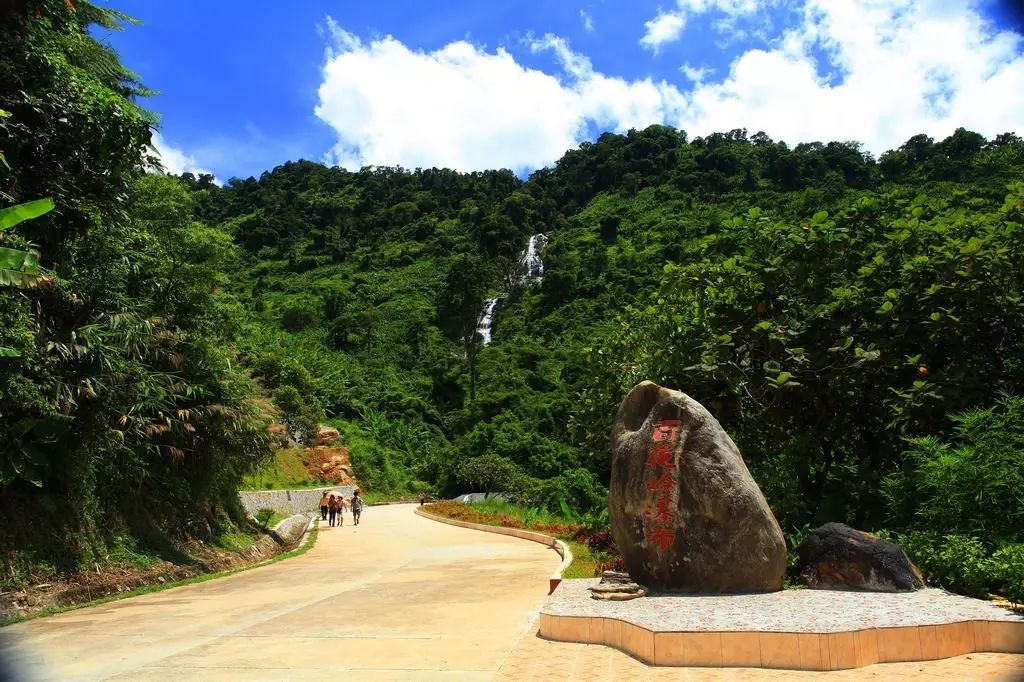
793, 629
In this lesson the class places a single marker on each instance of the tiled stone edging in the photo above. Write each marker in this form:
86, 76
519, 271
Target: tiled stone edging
767, 644
554, 543
790, 650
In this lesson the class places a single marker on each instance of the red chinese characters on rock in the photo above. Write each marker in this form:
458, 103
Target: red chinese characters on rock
660, 515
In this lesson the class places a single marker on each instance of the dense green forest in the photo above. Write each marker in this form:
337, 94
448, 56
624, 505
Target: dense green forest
855, 323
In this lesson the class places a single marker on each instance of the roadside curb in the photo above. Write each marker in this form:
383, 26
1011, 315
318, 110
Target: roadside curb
546, 540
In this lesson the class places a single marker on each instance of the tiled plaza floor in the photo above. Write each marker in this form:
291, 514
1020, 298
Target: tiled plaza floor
785, 611
541, 660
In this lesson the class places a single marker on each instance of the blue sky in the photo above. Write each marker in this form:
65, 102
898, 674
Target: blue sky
470, 84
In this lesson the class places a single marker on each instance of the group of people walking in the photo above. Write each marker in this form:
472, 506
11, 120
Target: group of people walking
332, 508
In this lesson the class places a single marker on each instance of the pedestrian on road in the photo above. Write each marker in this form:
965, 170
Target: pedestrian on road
341, 510
422, 498
323, 506
357, 507
332, 510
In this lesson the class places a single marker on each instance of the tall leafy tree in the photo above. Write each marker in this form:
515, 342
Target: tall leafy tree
461, 306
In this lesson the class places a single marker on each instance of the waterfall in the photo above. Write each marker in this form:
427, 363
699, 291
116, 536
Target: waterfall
533, 266
533, 271
483, 328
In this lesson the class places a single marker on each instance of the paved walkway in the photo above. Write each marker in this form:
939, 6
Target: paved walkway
399, 597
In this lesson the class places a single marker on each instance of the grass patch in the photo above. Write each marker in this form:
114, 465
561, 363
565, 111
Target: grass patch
268, 518
234, 540
584, 562
125, 551
286, 470
591, 550
160, 587
528, 515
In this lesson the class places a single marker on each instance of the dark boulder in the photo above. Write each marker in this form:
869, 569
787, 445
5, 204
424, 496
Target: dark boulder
838, 556
684, 510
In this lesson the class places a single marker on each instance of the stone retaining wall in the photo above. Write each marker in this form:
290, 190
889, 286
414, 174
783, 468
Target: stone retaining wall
290, 501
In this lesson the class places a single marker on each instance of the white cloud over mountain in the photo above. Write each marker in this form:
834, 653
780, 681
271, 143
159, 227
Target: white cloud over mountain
174, 159
893, 68
466, 108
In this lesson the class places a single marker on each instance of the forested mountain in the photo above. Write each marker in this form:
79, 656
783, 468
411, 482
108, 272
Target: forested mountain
854, 323
825, 304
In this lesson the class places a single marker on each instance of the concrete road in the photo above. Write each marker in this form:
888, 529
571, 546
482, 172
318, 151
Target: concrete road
398, 597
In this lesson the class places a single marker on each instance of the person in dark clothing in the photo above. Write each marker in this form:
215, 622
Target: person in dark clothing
332, 510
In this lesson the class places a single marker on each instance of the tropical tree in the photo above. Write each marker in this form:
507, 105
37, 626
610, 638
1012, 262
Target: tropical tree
461, 306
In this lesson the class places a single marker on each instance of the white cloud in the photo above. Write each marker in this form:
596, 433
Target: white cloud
174, 160
466, 108
697, 74
586, 20
667, 27
875, 71
900, 68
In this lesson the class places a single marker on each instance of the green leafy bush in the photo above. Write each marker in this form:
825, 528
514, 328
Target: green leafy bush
490, 473
577, 489
1008, 569
957, 562
970, 483
299, 412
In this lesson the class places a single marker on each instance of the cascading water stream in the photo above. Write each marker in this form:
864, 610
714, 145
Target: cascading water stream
533, 271
533, 265
483, 328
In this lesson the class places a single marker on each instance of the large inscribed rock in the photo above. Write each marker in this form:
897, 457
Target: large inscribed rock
684, 510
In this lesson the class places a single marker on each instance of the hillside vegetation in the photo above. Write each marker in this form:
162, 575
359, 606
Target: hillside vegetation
855, 323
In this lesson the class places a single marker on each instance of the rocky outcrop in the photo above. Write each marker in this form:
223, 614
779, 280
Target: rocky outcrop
684, 510
616, 586
838, 556
327, 435
278, 435
330, 465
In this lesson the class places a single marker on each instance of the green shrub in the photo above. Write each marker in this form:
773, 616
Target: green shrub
263, 516
971, 484
301, 413
578, 488
297, 315
490, 474
958, 563
1008, 567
